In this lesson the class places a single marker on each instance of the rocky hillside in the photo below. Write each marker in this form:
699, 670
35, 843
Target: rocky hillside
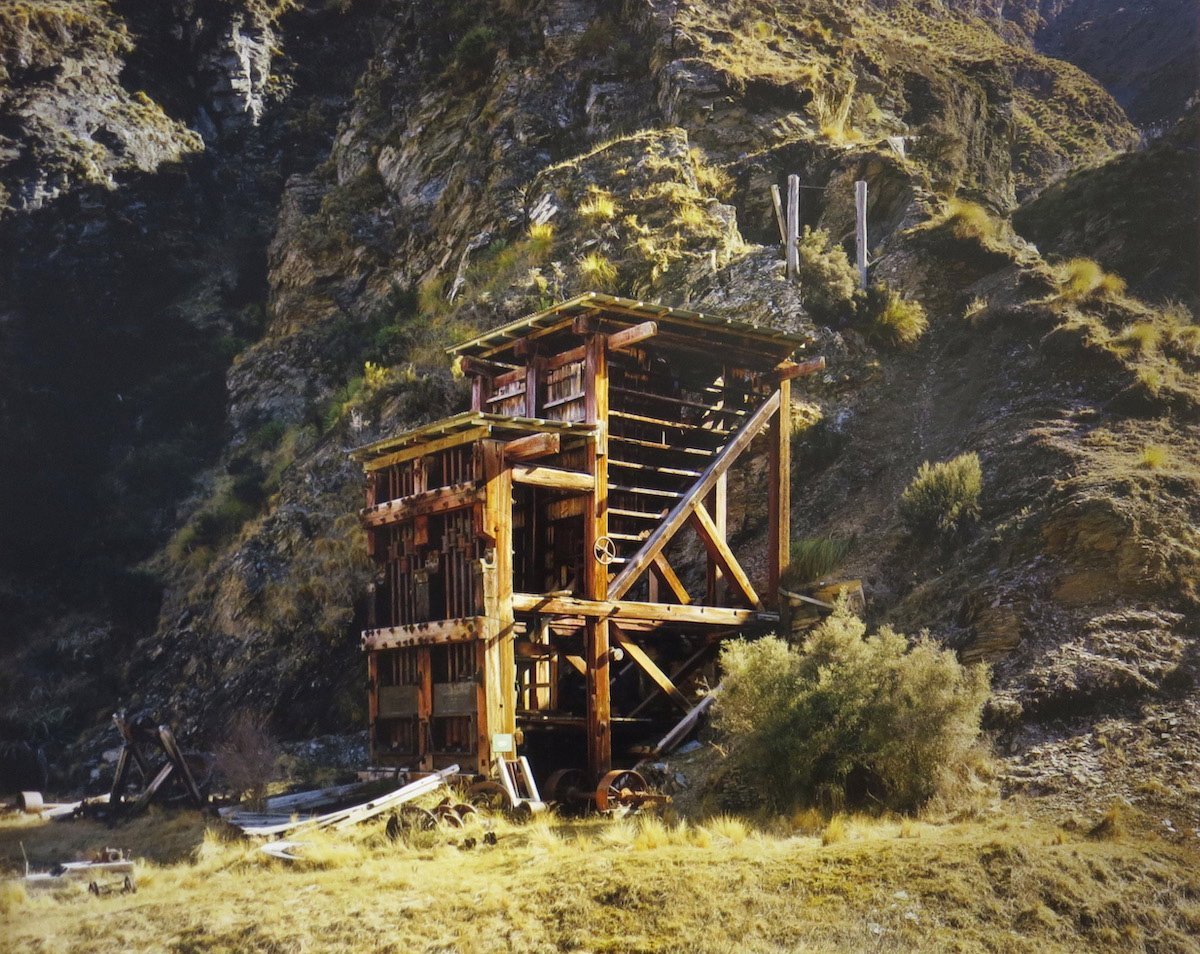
201, 339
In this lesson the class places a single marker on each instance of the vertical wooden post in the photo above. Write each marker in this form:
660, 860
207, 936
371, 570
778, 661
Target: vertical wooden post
595, 574
425, 707
481, 390
860, 230
372, 704
532, 376
499, 670
793, 227
716, 504
777, 202
779, 506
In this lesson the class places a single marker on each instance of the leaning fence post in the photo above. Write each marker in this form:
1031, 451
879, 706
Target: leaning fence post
778, 204
793, 227
860, 230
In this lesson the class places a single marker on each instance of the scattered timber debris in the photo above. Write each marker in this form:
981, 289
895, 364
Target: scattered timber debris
108, 871
282, 819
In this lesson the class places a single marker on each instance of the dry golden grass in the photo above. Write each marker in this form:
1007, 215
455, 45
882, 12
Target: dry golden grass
637, 884
599, 206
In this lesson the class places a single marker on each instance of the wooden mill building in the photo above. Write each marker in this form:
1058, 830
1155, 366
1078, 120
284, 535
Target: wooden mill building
527, 600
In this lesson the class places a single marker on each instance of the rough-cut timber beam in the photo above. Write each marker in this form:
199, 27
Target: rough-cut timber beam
422, 504
681, 671
553, 478
424, 634
779, 501
484, 369
633, 610
468, 436
651, 668
532, 447
628, 337
719, 550
681, 512
667, 575
788, 372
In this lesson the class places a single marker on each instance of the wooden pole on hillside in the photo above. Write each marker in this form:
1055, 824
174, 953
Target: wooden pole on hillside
777, 202
860, 230
793, 227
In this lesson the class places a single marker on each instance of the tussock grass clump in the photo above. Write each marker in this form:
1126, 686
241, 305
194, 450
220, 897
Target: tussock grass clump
815, 557
541, 238
599, 206
728, 828
598, 271
894, 319
943, 498
835, 831
849, 718
969, 220
1154, 457
1081, 278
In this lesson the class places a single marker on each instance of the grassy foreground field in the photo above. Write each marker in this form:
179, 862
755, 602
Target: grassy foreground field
1008, 882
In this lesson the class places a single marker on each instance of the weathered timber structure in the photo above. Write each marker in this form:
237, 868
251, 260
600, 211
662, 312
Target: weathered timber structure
526, 596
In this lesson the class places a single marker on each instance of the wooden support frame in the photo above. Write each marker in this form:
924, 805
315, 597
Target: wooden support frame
650, 667
681, 512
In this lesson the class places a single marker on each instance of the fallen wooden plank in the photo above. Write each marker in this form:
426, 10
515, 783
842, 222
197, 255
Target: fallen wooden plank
356, 813
685, 725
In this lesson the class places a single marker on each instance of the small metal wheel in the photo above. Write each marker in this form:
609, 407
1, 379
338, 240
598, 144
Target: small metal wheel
490, 796
465, 811
604, 550
619, 787
567, 786
94, 888
410, 818
448, 816
129, 887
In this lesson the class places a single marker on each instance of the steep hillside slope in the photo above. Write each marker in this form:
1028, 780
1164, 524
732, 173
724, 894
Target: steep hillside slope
655, 132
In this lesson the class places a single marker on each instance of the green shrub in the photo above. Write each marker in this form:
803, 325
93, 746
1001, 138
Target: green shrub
475, 53
943, 498
846, 720
892, 318
815, 557
827, 279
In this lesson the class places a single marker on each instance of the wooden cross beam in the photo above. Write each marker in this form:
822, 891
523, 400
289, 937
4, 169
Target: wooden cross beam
681, 513
681, 671
650, 667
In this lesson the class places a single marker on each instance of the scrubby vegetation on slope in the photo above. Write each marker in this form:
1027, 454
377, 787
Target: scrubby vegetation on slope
639, 884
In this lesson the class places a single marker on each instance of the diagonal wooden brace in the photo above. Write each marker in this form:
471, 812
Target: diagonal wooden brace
719, 551
682, 511
650, 667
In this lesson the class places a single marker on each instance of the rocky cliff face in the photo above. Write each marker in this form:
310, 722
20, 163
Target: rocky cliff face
644, 137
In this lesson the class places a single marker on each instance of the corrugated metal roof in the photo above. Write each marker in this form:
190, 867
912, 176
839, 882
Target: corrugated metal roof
772, 339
